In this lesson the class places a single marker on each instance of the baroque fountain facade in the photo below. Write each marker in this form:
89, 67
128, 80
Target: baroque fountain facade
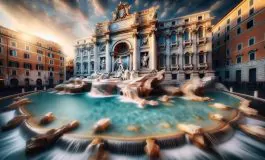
140, 43
126, 109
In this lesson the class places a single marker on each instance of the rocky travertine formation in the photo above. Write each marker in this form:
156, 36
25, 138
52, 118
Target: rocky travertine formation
102, 125
216, 116
133, 128
219, 106
96, 150
47, 118
13, 123
244, 107
253, 130
16, 104
74, 85
152, 149
43, 141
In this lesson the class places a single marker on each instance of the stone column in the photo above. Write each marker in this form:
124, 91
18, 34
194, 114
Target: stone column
153, 56
135, 52
108, 58
180, 51
167, 52
95, 58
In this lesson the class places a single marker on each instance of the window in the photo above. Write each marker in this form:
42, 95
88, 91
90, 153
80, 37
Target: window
187, 58
239, 46
186, 20
200, 32
201, 58
13, 53
227, 52
238, 20
227, 74
14, 72
219, 28
250, 24
162, 60
27, 48
39, 73
173, 38
187, 76
199, 18
50, 55
173, 23
227, 28
61, 58
186, 35
27, 65
252, 55
173, 60
51, 61
50, 68
251, 11
161, 40
13, 44
1, 49
39, 58
238, 59
39, 51
13, 64
239, 12
251, 41
26, 56
174, 76
238, 30
50, 48
39, 67
251, 2
227, 62
218, 35
227, 37
51, 74
228, 21
1, 62
27, 73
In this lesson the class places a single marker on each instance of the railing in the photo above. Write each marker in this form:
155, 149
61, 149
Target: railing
188, 66
187, 42
202, 40
174, 67
202, 66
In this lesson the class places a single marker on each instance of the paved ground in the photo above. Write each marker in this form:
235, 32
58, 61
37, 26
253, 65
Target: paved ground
9, 91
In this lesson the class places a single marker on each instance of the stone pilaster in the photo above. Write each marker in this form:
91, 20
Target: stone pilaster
180, 50
96, 60
153, 56
135, 52
108, 58
167, 51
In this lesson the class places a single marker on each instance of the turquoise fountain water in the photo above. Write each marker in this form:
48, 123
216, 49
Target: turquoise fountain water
89, 109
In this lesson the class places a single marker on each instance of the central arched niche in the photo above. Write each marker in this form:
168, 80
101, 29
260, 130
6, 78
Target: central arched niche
121, 56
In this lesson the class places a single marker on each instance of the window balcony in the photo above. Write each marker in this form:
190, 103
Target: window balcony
202, 66
174, 67
187, 42
202, 40
188, 67
174, 44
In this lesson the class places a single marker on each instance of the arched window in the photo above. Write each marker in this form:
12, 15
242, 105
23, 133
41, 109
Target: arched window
173, 37
252, 55
92, 65
200, 32
78, 66
161, 40
186, 35
201, 57
85, 66
187, 58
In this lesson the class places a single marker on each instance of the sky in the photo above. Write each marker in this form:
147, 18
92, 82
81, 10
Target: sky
64, 21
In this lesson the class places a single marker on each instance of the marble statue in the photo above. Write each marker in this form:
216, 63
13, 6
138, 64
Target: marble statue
145, 60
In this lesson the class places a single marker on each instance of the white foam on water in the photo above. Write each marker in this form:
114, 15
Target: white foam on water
129, 100
90, 94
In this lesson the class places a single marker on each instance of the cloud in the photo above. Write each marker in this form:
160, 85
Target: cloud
136, 2
98, 8
181, 9
163, 14
216, 5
